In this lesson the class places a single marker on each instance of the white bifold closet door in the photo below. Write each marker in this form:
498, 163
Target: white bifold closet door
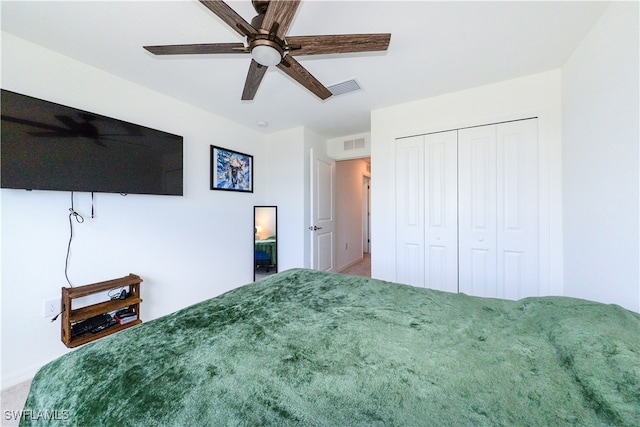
498, 210
410, 193
426, 211
467, 210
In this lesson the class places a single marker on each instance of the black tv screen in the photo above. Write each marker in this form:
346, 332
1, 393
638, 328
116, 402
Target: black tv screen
48, 146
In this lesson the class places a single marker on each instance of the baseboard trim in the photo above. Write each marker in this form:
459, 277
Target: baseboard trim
9, 381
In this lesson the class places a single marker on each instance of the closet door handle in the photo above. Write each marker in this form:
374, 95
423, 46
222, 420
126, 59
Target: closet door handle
314, 228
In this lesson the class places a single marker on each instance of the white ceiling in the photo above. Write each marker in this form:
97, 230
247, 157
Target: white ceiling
436, 48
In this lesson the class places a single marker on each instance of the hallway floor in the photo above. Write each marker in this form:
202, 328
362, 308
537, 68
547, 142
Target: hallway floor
362, 268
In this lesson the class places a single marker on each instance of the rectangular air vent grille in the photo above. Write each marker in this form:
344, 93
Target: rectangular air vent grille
352, 144
344, 87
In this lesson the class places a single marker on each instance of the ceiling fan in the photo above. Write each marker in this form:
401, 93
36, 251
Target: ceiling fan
269, 45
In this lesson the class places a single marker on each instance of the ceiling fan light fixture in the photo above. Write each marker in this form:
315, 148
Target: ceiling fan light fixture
266, 55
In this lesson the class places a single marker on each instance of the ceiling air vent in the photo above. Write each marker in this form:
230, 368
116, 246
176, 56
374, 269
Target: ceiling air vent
353, 144
344, 87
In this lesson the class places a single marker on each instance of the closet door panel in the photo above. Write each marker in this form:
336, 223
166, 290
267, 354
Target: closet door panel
468, 210
477, 211
410, 193
518, 209
480, 280
441, 210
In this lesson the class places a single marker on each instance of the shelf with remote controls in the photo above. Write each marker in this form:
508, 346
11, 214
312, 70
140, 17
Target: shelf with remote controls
86, 324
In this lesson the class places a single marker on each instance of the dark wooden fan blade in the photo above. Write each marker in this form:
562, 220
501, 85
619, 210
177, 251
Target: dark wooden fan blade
65, 134
280, 13
343, 43
34, 124
229, 16
254, 77
300, 74
67, 121
188, 49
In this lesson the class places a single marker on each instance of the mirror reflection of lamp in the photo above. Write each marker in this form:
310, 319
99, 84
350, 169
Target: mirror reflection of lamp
258, 231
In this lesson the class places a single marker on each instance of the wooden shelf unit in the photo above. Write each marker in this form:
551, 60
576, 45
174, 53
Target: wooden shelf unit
70, 316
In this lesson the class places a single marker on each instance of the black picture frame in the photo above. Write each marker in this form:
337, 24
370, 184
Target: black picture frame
231, 170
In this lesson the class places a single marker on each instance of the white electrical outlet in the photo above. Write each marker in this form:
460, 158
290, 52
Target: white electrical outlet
52, 307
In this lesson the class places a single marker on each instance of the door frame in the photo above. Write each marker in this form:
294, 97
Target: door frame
366, 213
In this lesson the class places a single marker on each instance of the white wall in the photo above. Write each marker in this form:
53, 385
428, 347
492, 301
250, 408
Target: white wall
284, 155
348, 202
601, 161
185, 248
535, 95
287, 154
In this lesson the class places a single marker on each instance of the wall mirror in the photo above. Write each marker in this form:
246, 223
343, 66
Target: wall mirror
265, 238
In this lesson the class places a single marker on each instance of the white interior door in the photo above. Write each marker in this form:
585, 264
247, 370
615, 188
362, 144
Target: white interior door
468, 210
322, 212
441, 211
518, 209
499, 210
410, 193
477, 210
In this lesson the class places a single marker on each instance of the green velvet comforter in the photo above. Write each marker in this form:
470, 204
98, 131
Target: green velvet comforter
323, 349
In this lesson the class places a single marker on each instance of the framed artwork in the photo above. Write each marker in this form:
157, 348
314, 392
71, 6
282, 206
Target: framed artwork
230, 170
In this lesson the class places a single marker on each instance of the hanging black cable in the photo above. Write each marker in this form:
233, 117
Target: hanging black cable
79, 219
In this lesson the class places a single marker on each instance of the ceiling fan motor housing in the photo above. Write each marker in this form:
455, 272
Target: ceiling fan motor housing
260, 6
266, 49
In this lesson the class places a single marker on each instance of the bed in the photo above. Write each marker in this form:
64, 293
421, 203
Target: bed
309, 348
265, 252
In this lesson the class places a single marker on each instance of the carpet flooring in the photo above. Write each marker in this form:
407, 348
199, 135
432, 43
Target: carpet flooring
13, 399
362, 268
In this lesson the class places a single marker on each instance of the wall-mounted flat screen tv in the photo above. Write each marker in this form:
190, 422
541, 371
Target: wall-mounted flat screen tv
48, 146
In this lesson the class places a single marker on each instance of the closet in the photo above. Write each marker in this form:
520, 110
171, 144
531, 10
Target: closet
467, 210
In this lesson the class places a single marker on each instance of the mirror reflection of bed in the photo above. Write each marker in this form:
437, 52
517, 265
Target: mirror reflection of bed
265, 254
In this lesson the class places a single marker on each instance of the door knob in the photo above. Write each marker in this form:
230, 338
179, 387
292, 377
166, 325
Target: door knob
314, 228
